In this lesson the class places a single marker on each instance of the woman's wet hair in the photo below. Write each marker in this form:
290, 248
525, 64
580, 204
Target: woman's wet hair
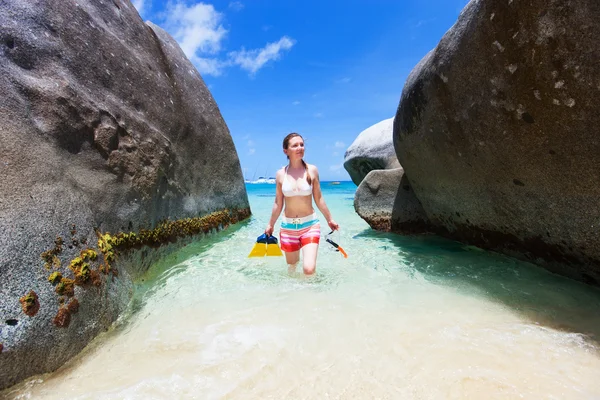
286, 143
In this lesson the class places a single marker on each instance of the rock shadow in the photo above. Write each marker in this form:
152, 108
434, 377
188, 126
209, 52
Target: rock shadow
541, 297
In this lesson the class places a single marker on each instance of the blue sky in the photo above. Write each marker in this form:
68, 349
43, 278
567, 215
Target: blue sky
325, 69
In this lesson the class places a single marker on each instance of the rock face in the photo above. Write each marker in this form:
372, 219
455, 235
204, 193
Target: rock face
386, 201
105, 127
497, 132
372, 149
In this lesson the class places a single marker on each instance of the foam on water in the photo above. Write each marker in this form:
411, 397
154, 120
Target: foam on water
415, 318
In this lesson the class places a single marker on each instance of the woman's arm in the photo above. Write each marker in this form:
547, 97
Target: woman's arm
320, 200
278, 205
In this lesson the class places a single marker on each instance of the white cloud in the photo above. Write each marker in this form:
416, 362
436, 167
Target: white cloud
253, 60
343, 80
336, 167
296, 103
266, 27
139, 5
251, 151
236, 5
208, 66
335, 154
319, 115
250, 143
197, 29
339, 144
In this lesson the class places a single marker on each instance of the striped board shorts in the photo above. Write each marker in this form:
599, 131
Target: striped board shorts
297, 232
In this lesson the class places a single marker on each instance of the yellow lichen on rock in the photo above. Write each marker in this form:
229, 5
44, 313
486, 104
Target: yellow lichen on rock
80, 266
55, 277
112, 245
165, 232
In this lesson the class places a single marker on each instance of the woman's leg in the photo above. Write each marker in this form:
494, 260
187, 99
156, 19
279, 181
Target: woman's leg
309, 258
310, 248
290, 245
292, 259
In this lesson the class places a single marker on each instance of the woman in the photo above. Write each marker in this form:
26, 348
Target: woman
297, 183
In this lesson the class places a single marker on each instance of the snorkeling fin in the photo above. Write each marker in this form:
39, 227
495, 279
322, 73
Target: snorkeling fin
260, 247
273, 249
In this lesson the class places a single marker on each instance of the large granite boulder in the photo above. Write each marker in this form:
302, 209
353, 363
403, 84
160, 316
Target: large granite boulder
385, 200
111, 149
497, 130
372, 149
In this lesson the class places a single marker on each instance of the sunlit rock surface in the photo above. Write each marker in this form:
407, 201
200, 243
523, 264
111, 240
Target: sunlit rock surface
372, 149
104, 124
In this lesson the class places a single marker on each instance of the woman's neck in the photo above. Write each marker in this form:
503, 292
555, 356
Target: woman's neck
296, 164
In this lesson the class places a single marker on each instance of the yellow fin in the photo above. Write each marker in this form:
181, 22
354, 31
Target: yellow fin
259, 250
273, 250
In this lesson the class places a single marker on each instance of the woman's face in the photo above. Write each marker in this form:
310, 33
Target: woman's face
295, 148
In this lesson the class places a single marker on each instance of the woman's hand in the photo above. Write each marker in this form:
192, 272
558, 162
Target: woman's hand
269, 230
333, 225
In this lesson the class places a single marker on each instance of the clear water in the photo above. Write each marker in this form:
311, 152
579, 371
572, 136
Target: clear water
410, 318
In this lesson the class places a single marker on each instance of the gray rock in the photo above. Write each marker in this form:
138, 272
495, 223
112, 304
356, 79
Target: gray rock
372, 149
497, 132
104, 125
385, 200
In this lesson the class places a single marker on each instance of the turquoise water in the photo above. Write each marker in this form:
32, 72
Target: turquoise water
401, 317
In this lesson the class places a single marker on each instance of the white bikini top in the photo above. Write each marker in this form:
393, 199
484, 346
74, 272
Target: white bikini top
300, 188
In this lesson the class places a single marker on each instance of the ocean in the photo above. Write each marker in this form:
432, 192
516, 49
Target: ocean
402, 317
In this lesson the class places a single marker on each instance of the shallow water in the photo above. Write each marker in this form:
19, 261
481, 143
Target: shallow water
412, 318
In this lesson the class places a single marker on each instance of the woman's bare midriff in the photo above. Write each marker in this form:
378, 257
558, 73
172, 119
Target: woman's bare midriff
298, 207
